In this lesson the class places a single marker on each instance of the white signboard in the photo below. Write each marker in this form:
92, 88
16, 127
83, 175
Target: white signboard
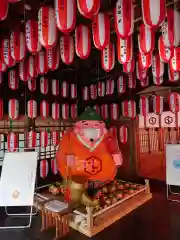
173, 164
18, 176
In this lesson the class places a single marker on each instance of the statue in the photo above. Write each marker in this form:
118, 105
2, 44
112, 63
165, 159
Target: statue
89, 152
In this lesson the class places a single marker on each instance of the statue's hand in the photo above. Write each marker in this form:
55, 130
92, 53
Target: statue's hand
118, 159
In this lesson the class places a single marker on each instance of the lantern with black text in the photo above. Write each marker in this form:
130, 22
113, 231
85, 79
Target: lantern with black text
54, 166
44, 139
123, 133
88, 8
131, 80
82, 41
121, 84
65, 12
31, 33
85, 93
93, 91
174, 102
144, 106
157, 66
31, 67
55, 138
158, 104
124, 49
101, 30
53, 58
47, 27
165, 53
6, 53
124, 18
74, 111
73, 90
101, 89
104, 111
129, 108
23, 74
145, 60
17, 45
44, 168
154, 12
64, 89
114, 111
13, 80
175, 60
3, 66
108, 57
32, 109
146, 39
65, 111
32, 84
4, 9
13, 109
55, 111
110, 87
144, 82
55, 87
41, 62
129, 66
31, 139
67, 49
44, 86
157, 80
44, 109
12, 142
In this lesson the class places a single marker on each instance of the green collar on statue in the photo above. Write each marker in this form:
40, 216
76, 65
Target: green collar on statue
87, 145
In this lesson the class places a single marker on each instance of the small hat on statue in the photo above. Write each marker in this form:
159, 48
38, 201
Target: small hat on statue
89, 114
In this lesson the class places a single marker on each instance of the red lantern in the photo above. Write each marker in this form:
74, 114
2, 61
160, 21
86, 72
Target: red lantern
44, 168
13, 80
85, 93
64, 89
65, 15
55, 138
173, 76
53, 58
31, 67
101, 30
31, 139
1, 108
101, 89
44, 86
124, 49
158, 104
165, 53
55, 87
32, 109
88, 8
123, 132
65, 111
129, 66
73, 90
154, 12
93, 91
145, 60
108, 57
110, 87
175, 60
74, 111
4, 9
131, 80
54, 166
124, 18
114, 111
55, 111
144, 82
174, 102
129, 108
41, 63
67, 49
82, 41
23, 75
121, 84
144, 106
13, 109
158, 80
44, 139
140, 72
146, 39
44, 109
157, 66
17, 45
47, 27
3, 66
12, 142
6, 53
31, 34
104, 111
32, 84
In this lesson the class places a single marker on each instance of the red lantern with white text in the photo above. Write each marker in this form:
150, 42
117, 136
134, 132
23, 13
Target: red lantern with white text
55, 87
124, 50
6, 53
55, 111
44, 86
101, 89
23, 74
114, 111
145, 60
67, 49
131, 80
93, 91
53, 58
44, 139
55, 138
31, 139
13, 109
140, 72
129, 108
174, 102
31, 67
110, 87
121, 84
129, 66
44, 168
146, 39
17, 45
44, 109
175, 60
32, 109
12, 142
144, 106
157, 66
108, 57
41, 62
165, 53
13, 80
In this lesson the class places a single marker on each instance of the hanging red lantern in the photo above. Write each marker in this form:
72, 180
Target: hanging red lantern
3, 66
101, 30
53, 58
73, 90
144, 106
157, 80
44, 86
73, 111
125, 50
1, 108
17, 45
13, 79
12, 142
88, 8
165, 53
82, 41
44, 109
158, 104
65, 15
55, 87
129, 66
173, 76
44, 168
32, 109
114, 111
104, 111
157, 66
144, 82
121, 84
145, 60
174, 102
31, 139
67, 49
55, 138
154, 12
54, 166
124, 18
41, 63
108, 57
6, 53
13, 109
140, 72
31, 33
64, 89
93, 91
65, 111
131, 80
47, 27
175, 60
129, 108
23, 75
31, 67
4, 9
44, 139
55, 111
110, 85
32, 84
146, 39
101, 89
123, 133
85, 93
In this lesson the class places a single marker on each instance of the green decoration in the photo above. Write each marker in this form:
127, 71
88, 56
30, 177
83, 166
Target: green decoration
11, 123
89, 114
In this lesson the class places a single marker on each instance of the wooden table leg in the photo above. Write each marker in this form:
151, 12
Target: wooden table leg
43, 220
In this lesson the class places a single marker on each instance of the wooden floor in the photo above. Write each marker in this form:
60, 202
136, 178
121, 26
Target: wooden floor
156, 220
